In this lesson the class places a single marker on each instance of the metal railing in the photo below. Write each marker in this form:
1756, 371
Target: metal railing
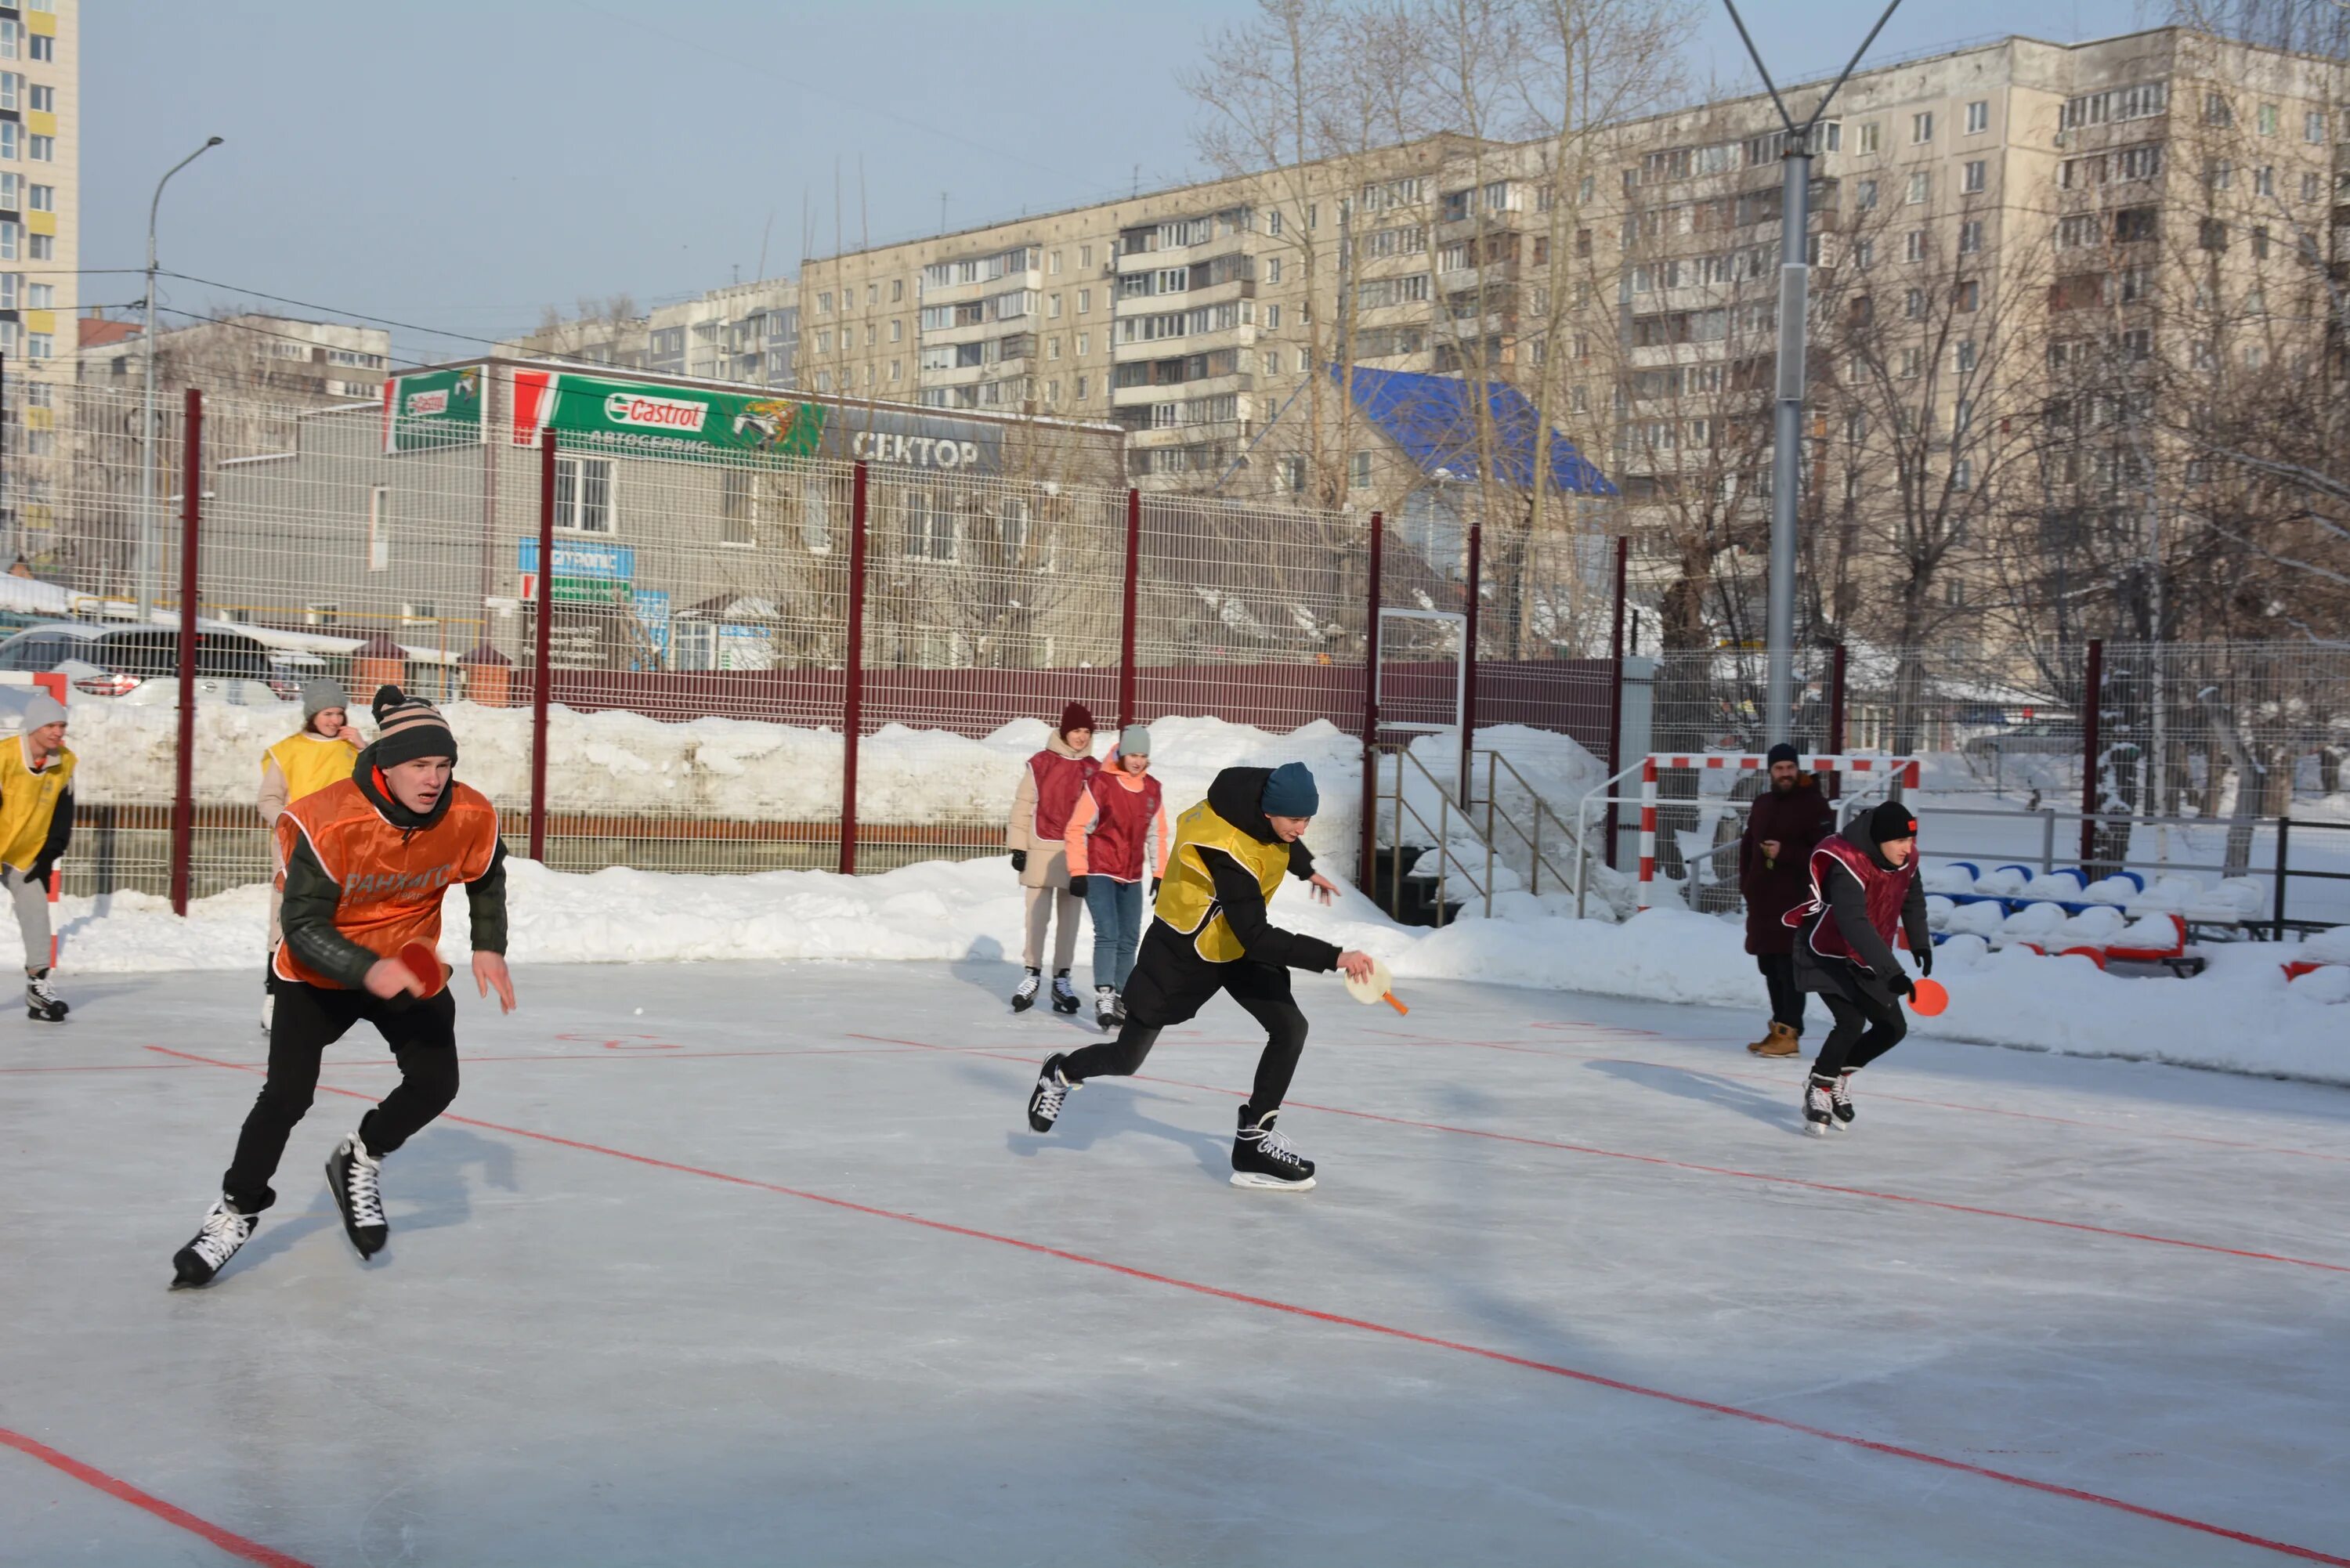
1399, 806
1495, 818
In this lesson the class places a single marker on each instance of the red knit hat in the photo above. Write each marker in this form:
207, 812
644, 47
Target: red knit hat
1076, 716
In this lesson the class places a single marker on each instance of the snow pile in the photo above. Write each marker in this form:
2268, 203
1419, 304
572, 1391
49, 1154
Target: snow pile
2240, 1014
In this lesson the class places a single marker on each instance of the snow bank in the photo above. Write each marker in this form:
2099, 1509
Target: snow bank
2239, 1015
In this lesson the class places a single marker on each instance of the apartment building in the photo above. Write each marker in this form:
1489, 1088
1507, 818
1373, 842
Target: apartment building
40, 248
746, 332
283, 359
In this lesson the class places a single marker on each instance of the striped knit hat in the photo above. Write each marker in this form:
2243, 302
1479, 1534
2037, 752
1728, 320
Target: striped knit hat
408, 728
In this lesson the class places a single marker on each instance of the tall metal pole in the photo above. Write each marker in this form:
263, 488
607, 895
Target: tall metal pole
1364, 867
147, 521
183, 773
1787, 433
542, 674
852, 686
1786, 456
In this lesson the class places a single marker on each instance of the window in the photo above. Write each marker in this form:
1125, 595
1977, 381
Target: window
1968, 297
1913, 247
2219, 173
1870, 135
44, 295
1921, 186
1864, 254
1978, 116
40, 346
12, 89
2080, 230
42, 247
1052, 263
1864, 195
1970, 237
12, 38
2263, 179
2265, 119
1965, 357
1973, 180
1921, 129
45, 48
2212, 234
2216, 110
1273, 270
2260, 242
1358, 471
2313, 126
1962, 477
10, 242
897, 369
1273, 318
1912, 363
2312, 187
896, 291
897, 329
1085, 343
583, 494
12, 140
1272, 224
1913, 305
2133, 225
1052, 307
1293, 474
44, 100
11, 283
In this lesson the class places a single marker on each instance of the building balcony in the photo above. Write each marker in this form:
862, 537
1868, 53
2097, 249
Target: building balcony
962, 292
1175, 392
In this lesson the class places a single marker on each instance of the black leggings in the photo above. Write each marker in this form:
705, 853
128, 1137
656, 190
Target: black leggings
309, 1018
1786, 996
1864, 1029
1161, 993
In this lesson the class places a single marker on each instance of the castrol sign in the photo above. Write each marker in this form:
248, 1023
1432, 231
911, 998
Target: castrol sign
636, 410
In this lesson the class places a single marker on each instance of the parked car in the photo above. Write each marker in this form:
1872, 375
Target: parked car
2043, 737
142, 663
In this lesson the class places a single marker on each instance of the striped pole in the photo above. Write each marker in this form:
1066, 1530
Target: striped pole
1647, 828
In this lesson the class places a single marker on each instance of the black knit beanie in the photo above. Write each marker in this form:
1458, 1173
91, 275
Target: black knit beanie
1781, 753
408, 728
1890, 821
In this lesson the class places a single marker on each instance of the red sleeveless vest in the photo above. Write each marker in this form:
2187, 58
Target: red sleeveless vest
1886, 891
1121, 827
1059, 782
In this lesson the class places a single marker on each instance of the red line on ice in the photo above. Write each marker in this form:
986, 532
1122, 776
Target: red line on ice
1659, 1160
1484, 1352
170, 1514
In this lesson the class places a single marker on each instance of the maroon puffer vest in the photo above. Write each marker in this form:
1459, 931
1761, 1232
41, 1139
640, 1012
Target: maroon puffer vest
1122, 827
1886, 891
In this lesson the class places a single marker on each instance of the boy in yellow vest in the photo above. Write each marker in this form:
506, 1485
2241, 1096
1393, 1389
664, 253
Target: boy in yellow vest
1209, 933
321, 753
36, 812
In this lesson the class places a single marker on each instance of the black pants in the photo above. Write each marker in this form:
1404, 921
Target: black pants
1786, 996
1865, 1027
309, 1018
1170, 984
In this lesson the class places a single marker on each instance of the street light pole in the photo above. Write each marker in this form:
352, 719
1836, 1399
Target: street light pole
147, 403
1787, 427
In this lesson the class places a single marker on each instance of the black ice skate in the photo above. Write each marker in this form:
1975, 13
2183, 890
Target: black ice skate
1046, 1099
1064, 995
1819, 1105
224, 1230
1262, 1157
41, 999
1840, 1101
1023, 995
1107, 1011
355, 1176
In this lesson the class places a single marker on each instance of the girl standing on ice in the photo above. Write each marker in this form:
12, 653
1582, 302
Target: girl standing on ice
319, 754
1054, 780
1863, 886
1121, 816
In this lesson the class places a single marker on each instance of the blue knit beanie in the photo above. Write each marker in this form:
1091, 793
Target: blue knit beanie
1290, 792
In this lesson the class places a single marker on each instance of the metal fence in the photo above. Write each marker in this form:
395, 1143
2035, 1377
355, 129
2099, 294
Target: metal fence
751, 661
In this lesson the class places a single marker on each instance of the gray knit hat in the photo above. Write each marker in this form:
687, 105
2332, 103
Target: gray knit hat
1134, 741
320, 694
41, 708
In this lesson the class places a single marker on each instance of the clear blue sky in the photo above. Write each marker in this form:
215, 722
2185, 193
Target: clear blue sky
463, 164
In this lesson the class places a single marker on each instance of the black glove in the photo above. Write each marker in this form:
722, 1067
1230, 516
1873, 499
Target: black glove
1077, 888
1154, 887
1925, 956
1899, 984
37, 874
1019, 861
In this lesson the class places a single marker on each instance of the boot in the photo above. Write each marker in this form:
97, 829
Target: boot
1781, 1042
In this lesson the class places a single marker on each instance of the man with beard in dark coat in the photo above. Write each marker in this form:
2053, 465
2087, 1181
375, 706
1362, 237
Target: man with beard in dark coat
1773, 860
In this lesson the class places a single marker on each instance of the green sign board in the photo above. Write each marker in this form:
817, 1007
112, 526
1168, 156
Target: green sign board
433, 408
663, 420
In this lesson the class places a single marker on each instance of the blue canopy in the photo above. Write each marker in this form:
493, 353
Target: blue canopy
1434, 419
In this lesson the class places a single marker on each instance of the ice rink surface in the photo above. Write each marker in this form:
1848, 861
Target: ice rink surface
773, 1272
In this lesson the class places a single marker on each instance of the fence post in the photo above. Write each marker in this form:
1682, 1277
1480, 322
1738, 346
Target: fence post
2284, 830
542, 675
183, 780
1126, 714
1469, 657
852, 694
1371, 706
2093, 685
1615, 701
1836, 719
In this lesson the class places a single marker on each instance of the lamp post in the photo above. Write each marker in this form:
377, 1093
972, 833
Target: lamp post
1787, 431
147, 402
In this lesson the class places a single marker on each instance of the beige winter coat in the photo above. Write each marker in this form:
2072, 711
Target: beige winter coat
1048, 860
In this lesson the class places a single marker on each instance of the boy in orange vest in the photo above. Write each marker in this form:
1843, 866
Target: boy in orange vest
366, 861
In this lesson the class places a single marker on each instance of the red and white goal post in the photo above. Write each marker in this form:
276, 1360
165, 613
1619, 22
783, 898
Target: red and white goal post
1903, 770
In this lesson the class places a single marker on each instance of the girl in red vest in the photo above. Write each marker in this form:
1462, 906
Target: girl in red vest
1120, 819
1864, 887
1050, 787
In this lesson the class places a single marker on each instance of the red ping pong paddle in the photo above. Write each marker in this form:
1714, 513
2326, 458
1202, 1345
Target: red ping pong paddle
425, 964
1927, 998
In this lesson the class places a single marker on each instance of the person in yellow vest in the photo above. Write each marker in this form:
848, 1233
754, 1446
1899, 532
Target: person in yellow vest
322, 753
36, 813
1209, 933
